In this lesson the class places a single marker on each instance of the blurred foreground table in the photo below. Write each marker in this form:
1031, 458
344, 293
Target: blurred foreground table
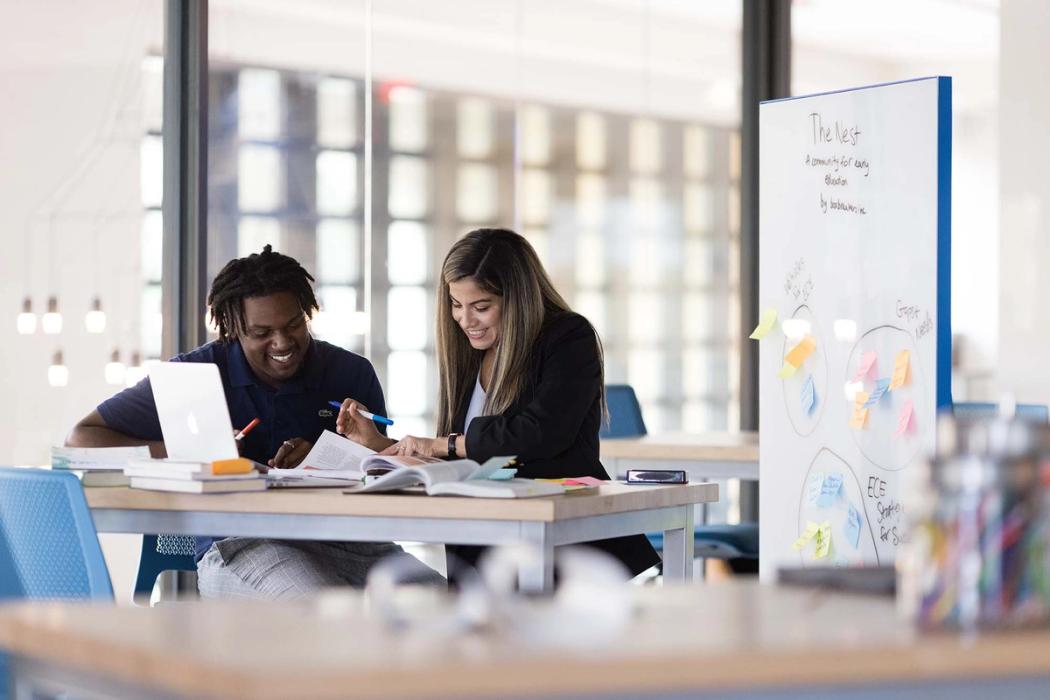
690, 641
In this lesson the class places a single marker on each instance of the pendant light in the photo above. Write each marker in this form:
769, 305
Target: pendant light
57, 373
27, 319
52, 320
95, 320
116, 371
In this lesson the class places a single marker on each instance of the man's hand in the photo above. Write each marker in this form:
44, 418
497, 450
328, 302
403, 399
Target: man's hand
291, 453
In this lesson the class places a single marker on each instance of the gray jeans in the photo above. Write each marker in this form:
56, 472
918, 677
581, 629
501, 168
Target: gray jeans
247, 567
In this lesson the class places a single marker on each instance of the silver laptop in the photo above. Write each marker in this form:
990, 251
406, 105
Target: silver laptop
191, 405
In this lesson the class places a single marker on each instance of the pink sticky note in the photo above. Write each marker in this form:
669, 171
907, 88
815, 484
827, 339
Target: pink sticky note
584, 481
867, 365
904, 421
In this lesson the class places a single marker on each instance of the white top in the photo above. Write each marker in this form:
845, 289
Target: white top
477, 404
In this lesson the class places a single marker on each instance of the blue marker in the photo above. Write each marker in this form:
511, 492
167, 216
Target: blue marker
371, 416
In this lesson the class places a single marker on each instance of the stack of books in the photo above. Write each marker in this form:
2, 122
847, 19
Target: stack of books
97, 466
220, 476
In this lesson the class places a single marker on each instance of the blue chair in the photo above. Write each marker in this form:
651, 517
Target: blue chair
163, 553
1038, 413
710, 541
721, 541
625, 413
49, 549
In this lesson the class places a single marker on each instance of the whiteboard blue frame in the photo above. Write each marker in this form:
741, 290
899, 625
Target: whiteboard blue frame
944, 224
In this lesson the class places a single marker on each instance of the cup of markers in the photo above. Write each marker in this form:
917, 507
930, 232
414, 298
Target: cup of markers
977, 555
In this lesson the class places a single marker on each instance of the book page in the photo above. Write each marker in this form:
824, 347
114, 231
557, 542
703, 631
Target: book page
85, 458
334, 452
377, 464
409, 474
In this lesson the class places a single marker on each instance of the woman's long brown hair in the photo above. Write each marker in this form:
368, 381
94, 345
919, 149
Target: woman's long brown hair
500, 262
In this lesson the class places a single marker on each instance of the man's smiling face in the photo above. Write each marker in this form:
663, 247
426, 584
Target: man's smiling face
275, 337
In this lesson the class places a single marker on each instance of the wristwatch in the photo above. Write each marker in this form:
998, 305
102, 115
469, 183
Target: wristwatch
452, 445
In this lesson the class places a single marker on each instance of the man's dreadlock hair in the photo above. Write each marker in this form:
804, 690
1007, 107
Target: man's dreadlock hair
259, 274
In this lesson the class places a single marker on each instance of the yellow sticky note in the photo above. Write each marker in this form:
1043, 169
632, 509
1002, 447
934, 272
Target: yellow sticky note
860, 414
787, 371
769, 319
900, 370
823, 538
805, 537
798, 354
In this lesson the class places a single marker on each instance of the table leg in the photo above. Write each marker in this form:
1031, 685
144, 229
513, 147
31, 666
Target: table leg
538, 577
678, 548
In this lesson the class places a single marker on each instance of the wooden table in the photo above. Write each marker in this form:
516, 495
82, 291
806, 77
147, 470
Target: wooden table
702, 455
695, 641
327, 514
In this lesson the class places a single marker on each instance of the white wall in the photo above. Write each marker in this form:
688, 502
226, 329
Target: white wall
1024, 146
70, 213
70, 209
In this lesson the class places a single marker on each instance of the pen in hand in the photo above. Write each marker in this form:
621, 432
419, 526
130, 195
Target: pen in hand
371, 416
246, 429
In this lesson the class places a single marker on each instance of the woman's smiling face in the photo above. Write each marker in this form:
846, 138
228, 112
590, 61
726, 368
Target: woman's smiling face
477, 312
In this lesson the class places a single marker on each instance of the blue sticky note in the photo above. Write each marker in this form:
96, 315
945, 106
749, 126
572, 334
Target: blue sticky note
881, 386
809, 396
853, 523
814, 487
829, 491
503, 474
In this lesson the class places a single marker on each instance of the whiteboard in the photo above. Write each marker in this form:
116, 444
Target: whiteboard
854, 235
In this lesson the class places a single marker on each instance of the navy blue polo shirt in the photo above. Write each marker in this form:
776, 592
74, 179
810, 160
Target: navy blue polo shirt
297, 409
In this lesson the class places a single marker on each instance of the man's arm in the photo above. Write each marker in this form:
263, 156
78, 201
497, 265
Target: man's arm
92, 431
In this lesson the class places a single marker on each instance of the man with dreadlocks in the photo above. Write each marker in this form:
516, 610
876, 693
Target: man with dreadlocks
272, 369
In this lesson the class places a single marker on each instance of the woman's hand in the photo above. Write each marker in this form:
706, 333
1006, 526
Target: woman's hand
291, 453
358, 428
411, 446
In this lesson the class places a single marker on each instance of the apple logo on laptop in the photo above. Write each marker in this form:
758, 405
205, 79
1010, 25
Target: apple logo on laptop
191, 422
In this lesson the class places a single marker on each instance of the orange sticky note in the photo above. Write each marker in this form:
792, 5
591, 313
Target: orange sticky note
798, 354
900, 370
860, 414
860, 418
237, 465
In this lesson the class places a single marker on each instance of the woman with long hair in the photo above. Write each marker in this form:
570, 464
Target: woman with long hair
520, 374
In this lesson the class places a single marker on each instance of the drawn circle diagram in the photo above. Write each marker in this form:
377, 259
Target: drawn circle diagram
804, 415
852, 539
880, 439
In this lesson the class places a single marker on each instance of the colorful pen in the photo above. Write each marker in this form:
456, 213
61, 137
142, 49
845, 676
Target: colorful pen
246, 429
366, 414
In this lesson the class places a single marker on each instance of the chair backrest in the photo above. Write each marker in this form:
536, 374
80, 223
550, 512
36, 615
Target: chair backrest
48, 545
625, 413
1039, 413
163, 553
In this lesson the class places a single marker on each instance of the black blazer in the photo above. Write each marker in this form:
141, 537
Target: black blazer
553, 426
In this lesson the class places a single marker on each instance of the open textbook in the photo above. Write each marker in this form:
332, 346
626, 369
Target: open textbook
461, 477
337, 461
